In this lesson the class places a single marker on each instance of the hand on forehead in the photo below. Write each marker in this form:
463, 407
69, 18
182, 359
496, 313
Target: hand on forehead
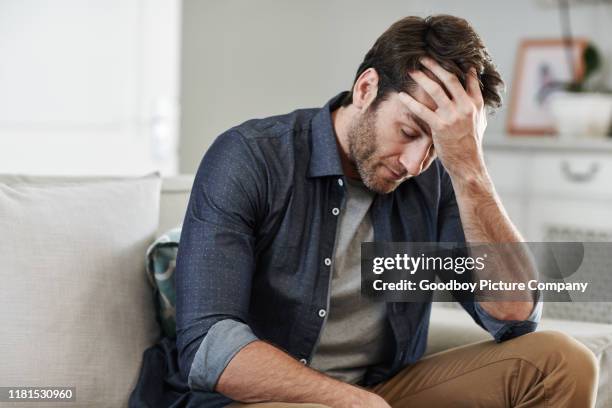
440, 97
421, 94
434, 86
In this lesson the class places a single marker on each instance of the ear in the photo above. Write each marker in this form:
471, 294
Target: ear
365, 89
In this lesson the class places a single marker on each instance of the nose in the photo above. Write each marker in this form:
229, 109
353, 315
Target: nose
414, 156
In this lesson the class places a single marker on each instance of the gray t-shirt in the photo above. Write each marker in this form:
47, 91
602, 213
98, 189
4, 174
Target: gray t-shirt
356, 333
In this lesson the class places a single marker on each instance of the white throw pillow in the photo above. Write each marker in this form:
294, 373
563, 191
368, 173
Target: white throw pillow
75, 305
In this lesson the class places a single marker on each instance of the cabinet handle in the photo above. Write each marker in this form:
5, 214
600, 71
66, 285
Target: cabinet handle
578, 177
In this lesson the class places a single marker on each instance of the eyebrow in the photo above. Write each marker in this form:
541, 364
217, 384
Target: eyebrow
420, 122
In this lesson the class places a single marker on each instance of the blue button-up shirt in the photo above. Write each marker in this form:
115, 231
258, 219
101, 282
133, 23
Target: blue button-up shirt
260, 223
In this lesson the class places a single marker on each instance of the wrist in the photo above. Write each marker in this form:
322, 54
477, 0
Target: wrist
367, 399
474, 179
350, 396
340, 394
470, 161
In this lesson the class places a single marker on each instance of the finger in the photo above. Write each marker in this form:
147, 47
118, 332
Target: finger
420, 110
431, 156
450, 80
473, 85
430, 86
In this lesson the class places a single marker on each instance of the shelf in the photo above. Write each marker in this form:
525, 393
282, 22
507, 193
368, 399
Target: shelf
548, 143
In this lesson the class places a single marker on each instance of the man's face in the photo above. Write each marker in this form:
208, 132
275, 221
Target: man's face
388, 145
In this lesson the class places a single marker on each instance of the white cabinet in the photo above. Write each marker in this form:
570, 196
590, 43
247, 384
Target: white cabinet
554, 219
554, 192
572, 175
509, 170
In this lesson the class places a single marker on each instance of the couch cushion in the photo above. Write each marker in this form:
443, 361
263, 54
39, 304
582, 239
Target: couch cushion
12, 179
77, 309
175, 192
161, 264
450, 327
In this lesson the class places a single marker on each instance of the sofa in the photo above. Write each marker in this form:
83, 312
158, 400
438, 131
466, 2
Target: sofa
78, 310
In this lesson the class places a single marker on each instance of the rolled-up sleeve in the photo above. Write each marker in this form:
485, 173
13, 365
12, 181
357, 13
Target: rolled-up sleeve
216, 260
503, 330
223, 340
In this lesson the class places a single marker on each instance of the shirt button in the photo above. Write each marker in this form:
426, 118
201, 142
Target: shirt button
322, 313
335, 211
303, 361
340, 182
327, 261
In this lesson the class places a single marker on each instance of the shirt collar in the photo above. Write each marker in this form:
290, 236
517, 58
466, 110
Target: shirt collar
325, 158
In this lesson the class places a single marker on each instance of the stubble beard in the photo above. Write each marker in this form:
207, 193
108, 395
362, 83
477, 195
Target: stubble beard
363, 147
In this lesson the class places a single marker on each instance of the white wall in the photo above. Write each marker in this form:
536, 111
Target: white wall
88, 86
251, 58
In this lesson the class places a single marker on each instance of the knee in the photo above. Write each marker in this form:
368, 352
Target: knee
568, 357
574, 354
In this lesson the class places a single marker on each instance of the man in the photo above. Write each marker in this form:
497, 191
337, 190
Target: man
269, 311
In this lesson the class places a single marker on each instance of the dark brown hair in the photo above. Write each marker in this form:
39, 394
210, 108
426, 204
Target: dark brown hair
450, 40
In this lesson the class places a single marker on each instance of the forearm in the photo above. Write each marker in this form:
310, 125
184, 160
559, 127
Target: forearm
485, 220
262, 372
483, 216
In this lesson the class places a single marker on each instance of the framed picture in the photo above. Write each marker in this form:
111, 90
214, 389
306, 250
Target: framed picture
543, 67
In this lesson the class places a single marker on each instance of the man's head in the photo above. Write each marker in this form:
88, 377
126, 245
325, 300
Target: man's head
386, 142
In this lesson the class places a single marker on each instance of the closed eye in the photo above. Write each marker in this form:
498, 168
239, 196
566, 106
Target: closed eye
410, 135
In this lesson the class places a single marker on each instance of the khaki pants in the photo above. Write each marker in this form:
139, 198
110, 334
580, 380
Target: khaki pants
541, 369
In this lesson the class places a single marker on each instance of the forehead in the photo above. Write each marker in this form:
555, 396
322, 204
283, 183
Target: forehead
400, 110
397, 110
